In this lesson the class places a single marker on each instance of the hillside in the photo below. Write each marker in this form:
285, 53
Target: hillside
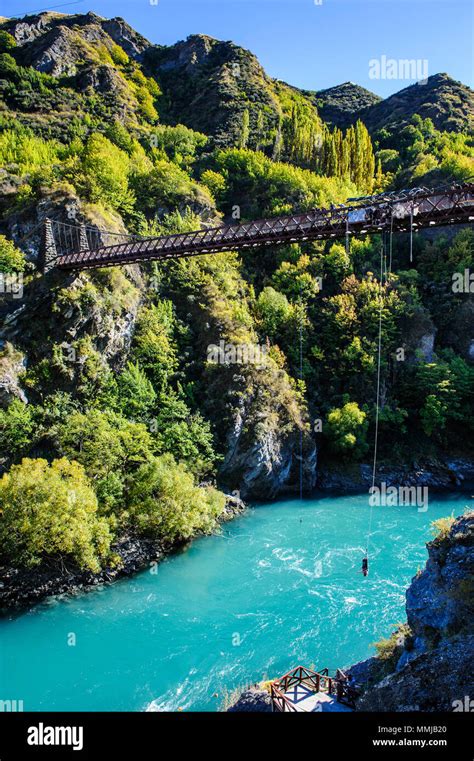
106, 376
449, 105
342, 105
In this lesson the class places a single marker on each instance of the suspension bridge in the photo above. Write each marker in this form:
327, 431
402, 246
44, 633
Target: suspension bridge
76, 247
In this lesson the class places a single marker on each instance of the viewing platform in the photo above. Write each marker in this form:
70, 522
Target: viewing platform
305, 691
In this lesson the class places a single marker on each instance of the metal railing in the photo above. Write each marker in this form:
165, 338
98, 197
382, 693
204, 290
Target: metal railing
400, 212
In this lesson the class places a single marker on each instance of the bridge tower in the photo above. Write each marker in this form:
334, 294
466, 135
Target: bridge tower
48, 251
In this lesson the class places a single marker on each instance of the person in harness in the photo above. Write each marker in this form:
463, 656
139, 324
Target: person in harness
365, 566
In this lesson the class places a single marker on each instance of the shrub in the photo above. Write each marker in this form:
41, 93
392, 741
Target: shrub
274, 311
51, 511
119, 56
441, 528
11, 258
153, 343
136, 393
7, 42
165, 503
107, 168
108, 447
389, 649
168, 186
346, 429
16, 428
185, 435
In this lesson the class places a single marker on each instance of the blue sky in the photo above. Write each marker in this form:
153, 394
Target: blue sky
305, 43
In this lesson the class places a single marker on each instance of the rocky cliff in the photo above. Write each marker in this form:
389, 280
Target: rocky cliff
431, 662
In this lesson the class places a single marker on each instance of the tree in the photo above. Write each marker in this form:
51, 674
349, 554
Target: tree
346, 429
169, 186
164, 502
107, 169
153, 345
109, 447
7, 42
51, 511
179, 143
187, 436
16, 428
11, 258
136, 395
274, 311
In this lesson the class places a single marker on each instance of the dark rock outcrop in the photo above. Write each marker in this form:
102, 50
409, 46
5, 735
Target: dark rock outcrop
252, 700
21, 588
434, 681
435, 667
357, 477
440, 600
265, 432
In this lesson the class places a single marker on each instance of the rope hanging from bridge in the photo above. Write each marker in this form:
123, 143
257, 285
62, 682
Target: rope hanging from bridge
383, 265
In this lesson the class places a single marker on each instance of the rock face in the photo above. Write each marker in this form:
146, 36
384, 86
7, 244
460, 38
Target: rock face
12, 364
20, 588
251, 701
440, 600
435, 681
357, 477
268, 467
263, 432
435, 670
54, 42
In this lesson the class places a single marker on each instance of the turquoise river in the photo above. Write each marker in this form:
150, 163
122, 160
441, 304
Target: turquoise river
278, 587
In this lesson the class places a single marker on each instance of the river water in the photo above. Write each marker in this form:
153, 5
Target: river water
278, 587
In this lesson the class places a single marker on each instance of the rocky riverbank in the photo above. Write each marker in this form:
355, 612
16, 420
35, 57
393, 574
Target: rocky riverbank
21, 588
428, 663
435, 474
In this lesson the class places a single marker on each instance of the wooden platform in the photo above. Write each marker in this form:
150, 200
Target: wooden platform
306, 691
306, 701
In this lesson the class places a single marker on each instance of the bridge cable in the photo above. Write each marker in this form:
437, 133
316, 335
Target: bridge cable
377, 408
391, 242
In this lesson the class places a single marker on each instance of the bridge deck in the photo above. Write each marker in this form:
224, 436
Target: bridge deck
401, 212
